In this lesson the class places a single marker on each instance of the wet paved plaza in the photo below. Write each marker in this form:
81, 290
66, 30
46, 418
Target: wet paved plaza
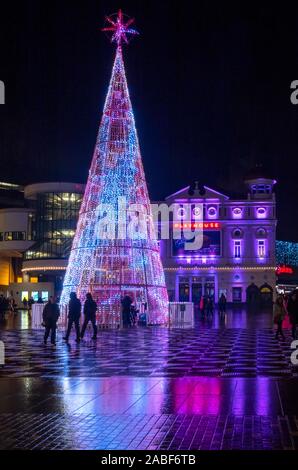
227, 384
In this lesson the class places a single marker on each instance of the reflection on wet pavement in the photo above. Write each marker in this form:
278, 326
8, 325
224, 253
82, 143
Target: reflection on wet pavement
222, 385
147, 413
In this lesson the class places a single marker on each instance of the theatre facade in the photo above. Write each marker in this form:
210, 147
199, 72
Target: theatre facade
237, 257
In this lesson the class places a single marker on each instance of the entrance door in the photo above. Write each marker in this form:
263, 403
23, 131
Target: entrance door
184, 292
209, 289
197, 291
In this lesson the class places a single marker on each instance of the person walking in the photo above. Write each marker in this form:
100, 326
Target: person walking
50, 317
209, 306
74, 313
279, 313
2, 307
90, 308
126, 304
292, 308
222, 303
133, 315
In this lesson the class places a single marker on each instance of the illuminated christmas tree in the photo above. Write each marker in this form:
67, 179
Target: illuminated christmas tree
108, 258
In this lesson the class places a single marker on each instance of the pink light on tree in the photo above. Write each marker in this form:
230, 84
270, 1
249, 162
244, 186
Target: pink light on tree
111, 267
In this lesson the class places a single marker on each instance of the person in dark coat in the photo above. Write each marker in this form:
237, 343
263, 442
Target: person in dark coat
209, 306
74, 313
2, 307
126, 304
279, 314
50, 317
222, 302
292, 308
90, 308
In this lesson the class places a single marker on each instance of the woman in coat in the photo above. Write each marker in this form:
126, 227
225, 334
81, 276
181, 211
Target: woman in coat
279, 313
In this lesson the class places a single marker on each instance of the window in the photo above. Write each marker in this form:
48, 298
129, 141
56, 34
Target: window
33, 279
237, 212
53, 225
12, 236
1, 236
237, 249
237, 233
261, 248
212, 212
261, 212
8, 236
237, 294
261, 233
45, 296
25, 295
34, 296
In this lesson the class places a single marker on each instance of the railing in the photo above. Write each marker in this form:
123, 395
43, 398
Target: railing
36, 316
181, 315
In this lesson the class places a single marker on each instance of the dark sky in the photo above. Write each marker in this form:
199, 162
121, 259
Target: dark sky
209, 83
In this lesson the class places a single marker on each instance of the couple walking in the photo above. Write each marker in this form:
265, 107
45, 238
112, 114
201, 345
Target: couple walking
51, 314
74, 314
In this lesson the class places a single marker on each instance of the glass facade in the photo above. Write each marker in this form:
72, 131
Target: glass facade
54, 225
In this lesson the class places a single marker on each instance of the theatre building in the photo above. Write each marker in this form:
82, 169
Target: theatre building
237, 256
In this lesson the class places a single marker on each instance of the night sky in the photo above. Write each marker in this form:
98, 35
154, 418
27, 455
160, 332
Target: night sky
209, 83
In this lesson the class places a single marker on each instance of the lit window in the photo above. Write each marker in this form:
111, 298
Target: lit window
237, 212
261, 212
261, 233
261, 248
34, 295
212, 212
8, 236
34, 279
45, 296
19, 280
237, 249
25, 296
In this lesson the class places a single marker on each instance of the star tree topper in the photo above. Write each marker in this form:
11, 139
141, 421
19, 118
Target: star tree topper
119, 27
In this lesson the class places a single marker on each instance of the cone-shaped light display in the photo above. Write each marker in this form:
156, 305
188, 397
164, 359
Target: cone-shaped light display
115, 251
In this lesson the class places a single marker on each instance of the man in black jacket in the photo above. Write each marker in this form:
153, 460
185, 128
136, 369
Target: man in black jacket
50, 317
90, 308
74, 313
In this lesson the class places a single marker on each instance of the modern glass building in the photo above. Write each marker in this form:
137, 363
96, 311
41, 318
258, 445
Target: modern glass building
54, 224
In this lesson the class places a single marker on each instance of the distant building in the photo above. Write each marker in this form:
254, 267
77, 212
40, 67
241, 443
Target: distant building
37, 224
287, 262
238, 253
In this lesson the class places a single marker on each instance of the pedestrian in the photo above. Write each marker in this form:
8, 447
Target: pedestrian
2, 307
292, 308
279, 313
133, 315
90, 308
39, 300
126, 304
222, 303
74, 313
50, 317
209, 306
31, 301
25, 303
